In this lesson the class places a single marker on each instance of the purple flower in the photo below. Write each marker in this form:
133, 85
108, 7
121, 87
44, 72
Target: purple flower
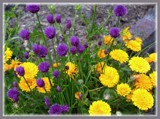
65, 108
26, 55
35, 48
40, 50
100, 43
43, 67
25, 34
68, 24
86, 45
62, 49
50, 18
15, 84
33, 8
20, 70
56, 73
13, 94
66, 67
47, 102
120, 10
106, 51
80, 48
73, 50
58, 89
40, 82
74, 40
58, 18
55, 109
50, 32
114, 32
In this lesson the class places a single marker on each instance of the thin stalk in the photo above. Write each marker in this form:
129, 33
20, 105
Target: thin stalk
27, 83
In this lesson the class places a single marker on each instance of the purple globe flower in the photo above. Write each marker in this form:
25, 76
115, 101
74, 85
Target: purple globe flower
74, 40
33, 8
73, 50
114, 32
100, 43
40, 82
35, 48
58, 89
20, 70
65, 108
56, 73
43, 67
15, 84
106, 51
47, 102
86, 45
26, 55
13, 94
55, 109
68, 24
50, 18
50, 32
40, 50
80, 48
25, 34
62, 49
58, 18
120, 10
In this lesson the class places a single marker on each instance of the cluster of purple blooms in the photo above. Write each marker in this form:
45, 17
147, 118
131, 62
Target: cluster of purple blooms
40, 50
57, 109
44, 67
13, 94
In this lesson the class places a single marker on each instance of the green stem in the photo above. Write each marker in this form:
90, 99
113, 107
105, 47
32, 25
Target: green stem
96, 89
27, 83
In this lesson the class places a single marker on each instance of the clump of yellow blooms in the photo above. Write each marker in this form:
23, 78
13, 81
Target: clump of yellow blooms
7, 55
142, 99
133, 45
101, 53
99, 108
123, 89
126, 34
72, 69
108, 40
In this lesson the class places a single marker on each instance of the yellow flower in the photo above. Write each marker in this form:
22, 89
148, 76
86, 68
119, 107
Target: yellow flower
8, 54
142, 99
78, 95
72, 69
133, 45
99, 108
129, 96
139, 64
110, 77
30, 69
108, 40
139, 40
123, 89
151, 58
143, 82
153, 78
119, 55
55, 65
14, 64
126, 34
23, 85
47, 85
99, 67
101, 53
7, 67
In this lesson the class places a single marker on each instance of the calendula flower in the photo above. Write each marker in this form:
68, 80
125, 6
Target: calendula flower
101, 53
78, 95
143, 82
7, 67
126, 34
99, 67
23, 85
139, 40
72, 69
123, 89
153, 78
129, 96
7, 54
142, 99
99, 108
110, 77
133, 45
139, 64
47, 85
151, 58
108, 40
119, 55
56, 64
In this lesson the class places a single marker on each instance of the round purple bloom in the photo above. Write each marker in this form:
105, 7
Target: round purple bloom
58, 18
114, 32
68, 24
65, 108
74, 40
106, 51
43, 67
58, 89
13, 94
47, 102
80, 48
40, 50
86, 45
35, 48
50, 18
40, 82
26, 55
55, 109
15, 84
100, 43
25, 34
73, 50
56, 73
120, 10
33, 8
62, 49
20, 70
50, 32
